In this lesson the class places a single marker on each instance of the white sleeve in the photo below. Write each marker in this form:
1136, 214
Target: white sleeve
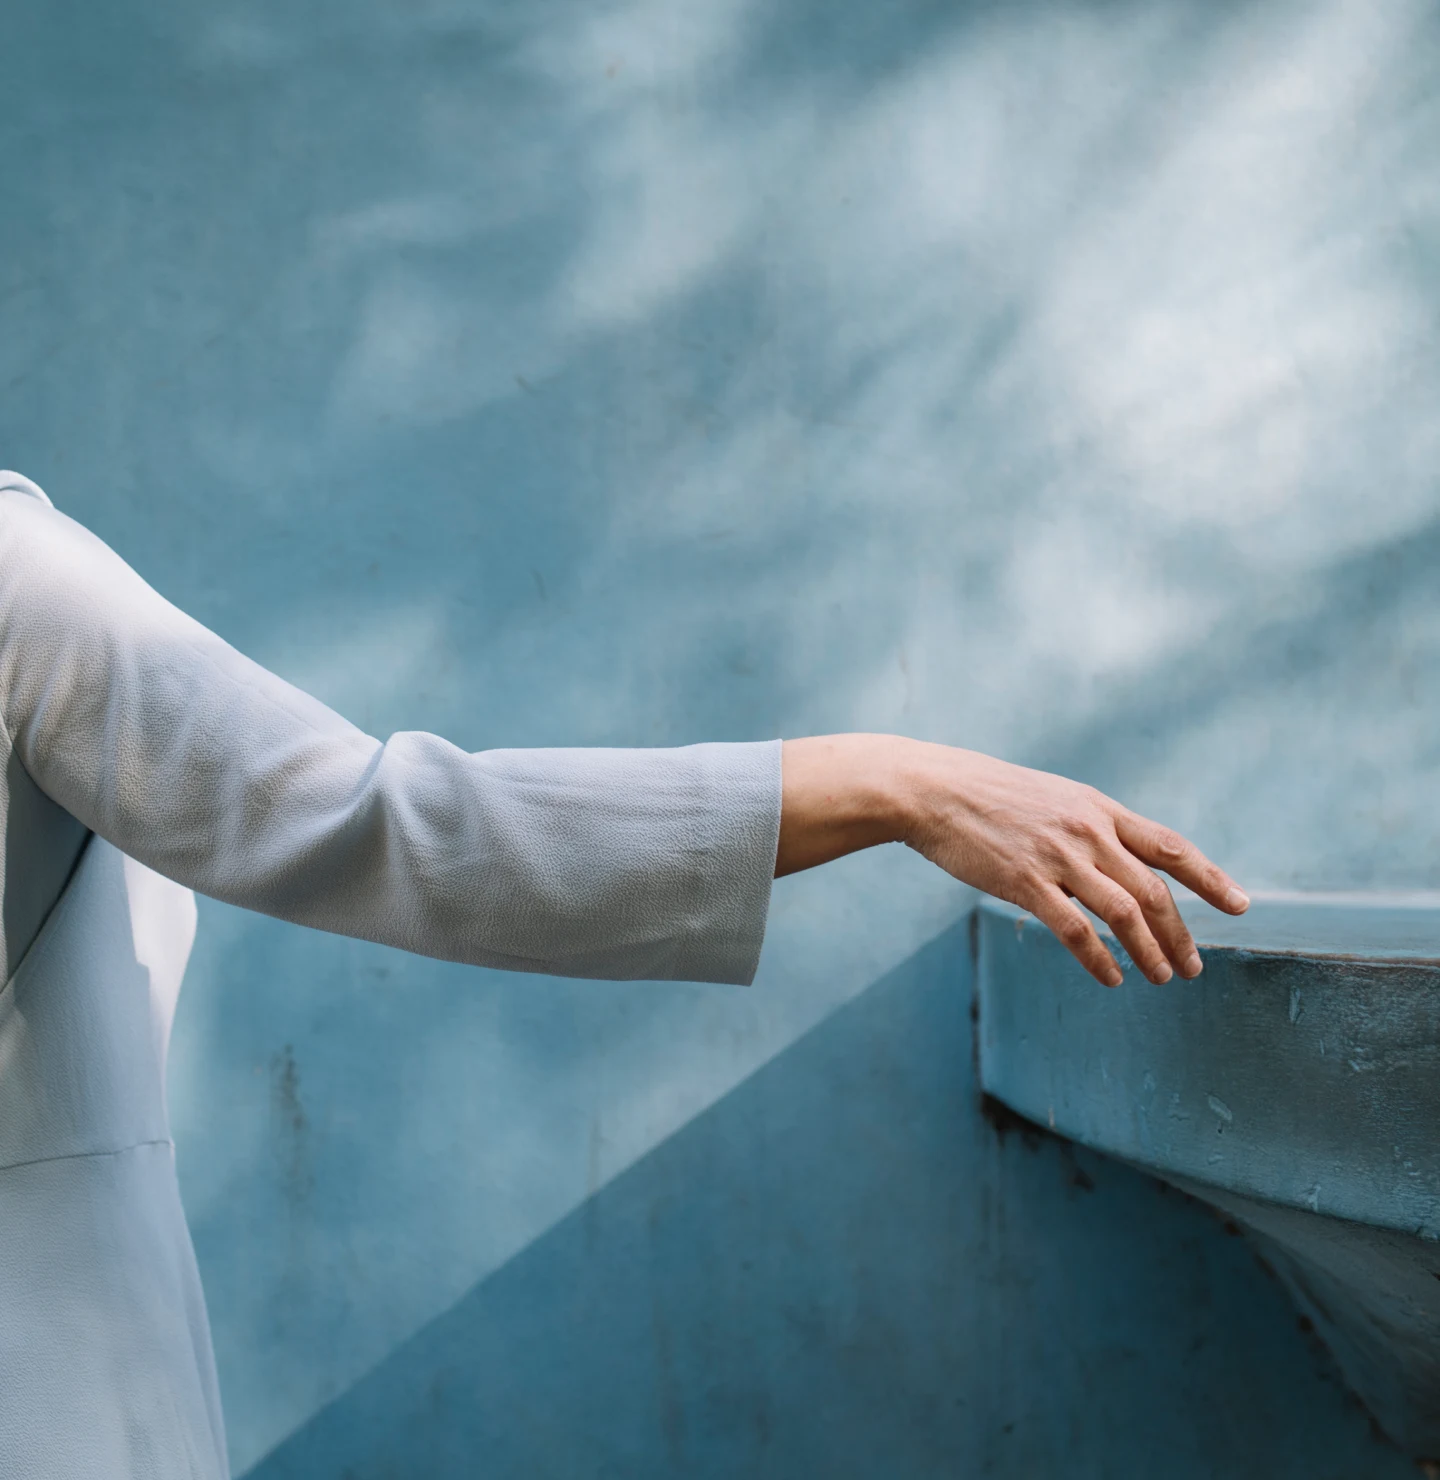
168, 743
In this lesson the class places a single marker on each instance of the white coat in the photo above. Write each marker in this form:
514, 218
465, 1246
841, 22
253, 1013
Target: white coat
141, 758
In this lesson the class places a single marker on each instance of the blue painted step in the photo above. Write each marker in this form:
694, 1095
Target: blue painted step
1295, 1086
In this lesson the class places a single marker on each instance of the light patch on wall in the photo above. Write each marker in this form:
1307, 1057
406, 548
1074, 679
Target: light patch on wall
434, 219
1079, 583
382, 655
637, 46
672, 196
1197, 322
423, 355
677, 204
240, 41
1181, 355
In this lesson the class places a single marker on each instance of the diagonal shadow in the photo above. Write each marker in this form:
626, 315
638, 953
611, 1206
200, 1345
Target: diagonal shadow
841, 1270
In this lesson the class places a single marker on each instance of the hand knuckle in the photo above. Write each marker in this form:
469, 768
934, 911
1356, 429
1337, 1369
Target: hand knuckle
1125, 911
1170, 846
1075, 933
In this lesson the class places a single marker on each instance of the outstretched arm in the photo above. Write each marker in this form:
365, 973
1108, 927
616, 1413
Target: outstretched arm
164, 740
196, 761
1038, 840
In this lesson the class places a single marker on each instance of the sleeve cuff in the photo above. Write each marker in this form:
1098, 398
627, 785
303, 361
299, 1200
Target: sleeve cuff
737, 863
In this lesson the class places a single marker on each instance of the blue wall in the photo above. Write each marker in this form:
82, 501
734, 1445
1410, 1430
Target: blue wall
1055, 379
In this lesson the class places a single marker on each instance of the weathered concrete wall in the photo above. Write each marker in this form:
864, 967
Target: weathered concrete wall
1056, 379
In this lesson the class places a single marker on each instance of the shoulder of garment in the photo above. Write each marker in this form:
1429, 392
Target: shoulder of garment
12, 482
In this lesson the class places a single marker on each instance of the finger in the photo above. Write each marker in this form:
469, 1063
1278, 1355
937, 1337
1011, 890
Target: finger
1075, 932
1161, 913
1163, 848
1122, 913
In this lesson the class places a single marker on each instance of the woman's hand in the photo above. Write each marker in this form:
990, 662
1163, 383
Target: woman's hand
1040, 841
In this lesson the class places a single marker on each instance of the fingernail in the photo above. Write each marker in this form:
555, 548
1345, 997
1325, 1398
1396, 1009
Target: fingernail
1194, 965
1113, 978
1161, 975
1237, 900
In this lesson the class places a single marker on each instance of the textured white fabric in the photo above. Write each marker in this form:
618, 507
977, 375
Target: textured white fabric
196, 768
105, 1362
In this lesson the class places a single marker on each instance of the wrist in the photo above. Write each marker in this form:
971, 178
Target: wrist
842, 793
893, 786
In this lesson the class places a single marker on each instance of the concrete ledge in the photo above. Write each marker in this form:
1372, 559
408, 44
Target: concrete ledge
1295, 1085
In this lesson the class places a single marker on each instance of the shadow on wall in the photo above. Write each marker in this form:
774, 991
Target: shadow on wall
758, 1296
